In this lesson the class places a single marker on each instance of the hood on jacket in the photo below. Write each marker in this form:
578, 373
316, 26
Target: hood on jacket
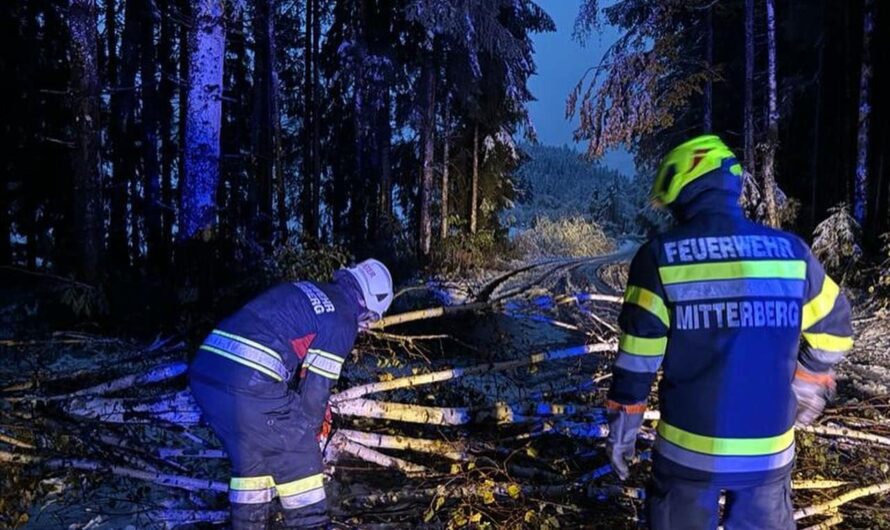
717, 192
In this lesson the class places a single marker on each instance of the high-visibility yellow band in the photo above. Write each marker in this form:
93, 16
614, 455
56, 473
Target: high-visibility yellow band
300, 485
730, 270
821, 304
251, 483
249, 342
328, 355
828, 342
725, 446
242, 360
323, 373
641, 345
647, 300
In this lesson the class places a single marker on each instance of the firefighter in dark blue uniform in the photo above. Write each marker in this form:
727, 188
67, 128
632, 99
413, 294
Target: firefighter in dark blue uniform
720, 303
240, 380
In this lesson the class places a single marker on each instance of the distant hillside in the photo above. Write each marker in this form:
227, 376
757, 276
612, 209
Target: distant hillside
555, 182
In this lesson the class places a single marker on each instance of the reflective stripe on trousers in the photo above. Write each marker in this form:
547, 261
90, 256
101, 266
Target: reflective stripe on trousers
251, 490
293, 495
301, 492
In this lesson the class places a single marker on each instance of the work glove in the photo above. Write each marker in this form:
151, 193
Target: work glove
813, 391
624, 426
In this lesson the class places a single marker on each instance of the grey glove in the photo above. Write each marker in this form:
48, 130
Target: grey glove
621, 444
813, 391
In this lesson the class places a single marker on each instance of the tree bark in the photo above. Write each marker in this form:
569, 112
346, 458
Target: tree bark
310, 207
446, 141
384, 137
772, 121
353, 191
207, 45
708, 103
182, 110
817, 139
280, 173
150, 169
860, 187
749, 88
316, 115
427, 144
280, 176
85, 105
263, 137
474, 184
166, 91
111, 42
123, 138
5, 225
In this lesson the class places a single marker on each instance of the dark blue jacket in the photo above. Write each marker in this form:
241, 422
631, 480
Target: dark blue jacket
720, 303
299, 326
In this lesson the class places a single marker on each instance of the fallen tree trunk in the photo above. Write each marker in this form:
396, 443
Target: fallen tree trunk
425, 314
449, 450
589, 297
828, 523
828, 506
162, 479
454, 373
15, 442
375, 457
178, 408
175, 518
841, 432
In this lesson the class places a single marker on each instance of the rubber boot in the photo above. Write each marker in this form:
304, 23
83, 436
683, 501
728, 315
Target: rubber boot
250, 516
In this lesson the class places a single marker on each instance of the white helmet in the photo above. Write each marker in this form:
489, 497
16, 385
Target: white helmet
375, 281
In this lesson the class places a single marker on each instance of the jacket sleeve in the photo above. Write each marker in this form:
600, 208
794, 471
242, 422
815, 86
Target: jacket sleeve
825, 321
321, 368
644, 323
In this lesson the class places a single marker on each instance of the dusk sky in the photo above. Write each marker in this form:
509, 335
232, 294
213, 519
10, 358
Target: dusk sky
561, 62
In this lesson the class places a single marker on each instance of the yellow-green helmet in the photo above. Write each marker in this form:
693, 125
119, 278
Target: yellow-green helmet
689, 161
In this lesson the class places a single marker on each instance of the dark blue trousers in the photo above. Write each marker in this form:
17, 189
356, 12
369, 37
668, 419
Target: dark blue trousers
678, 504
271, 449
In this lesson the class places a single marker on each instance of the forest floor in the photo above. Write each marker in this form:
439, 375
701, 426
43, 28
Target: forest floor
98, 433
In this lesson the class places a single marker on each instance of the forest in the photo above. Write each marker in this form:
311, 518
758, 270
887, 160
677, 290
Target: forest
168, 160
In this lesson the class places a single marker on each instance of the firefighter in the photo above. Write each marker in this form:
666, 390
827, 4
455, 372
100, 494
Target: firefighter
240, 380
721, 302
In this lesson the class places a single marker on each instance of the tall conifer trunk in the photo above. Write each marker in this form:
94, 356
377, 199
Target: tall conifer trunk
860, 183
166, 92
772, 120
708, 96
446, 140
150, 169
207, 46
749, 89
123, 138
264, 116
85, 105
428, 124
474, 183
